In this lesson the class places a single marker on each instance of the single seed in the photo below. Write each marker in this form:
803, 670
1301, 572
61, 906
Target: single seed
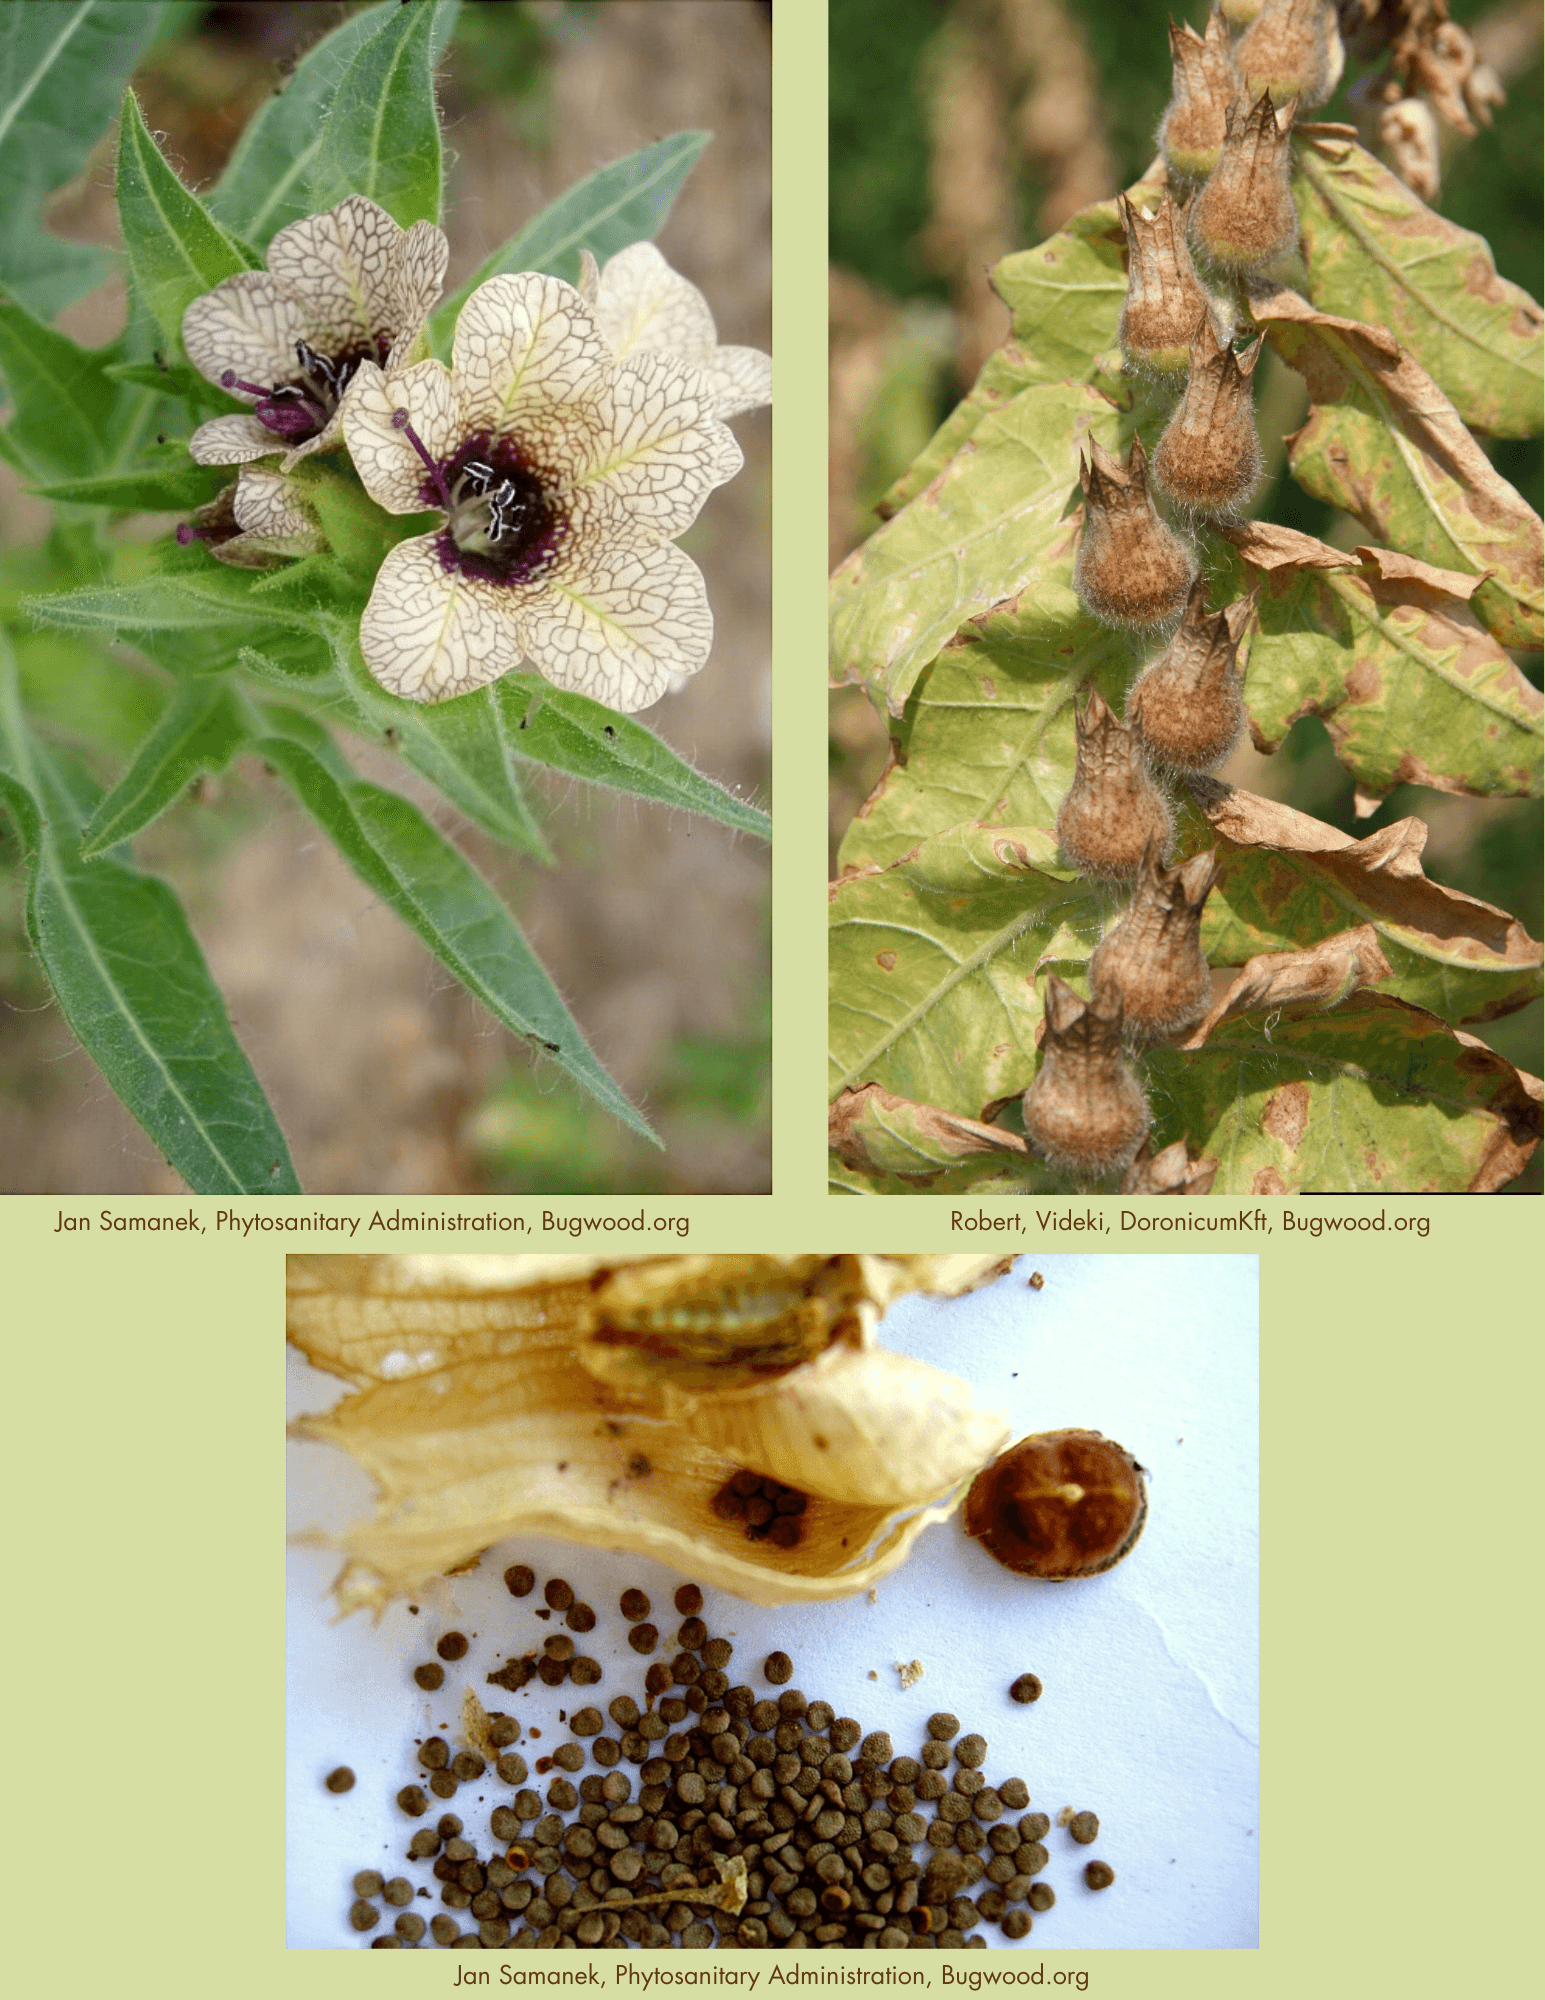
443, 1929
571, 1756
643, 1638
583, 1671
364, 1916
448, 1826
717, 1654
943, 1727
689, 1600
412, 1801
511, 1769
502, 1730
586, 1722
634, 1605
558, 1594
1034, 1826
453, 1646
1098, 1874
467, 1765
579, 1618
519, 1581
398, 1892
559, 1646
367, 1882
1016, 1924
386, 1944
341, 1780
623, 1710
1042, 1896
434, 1754
425, 1842
410, 1926
1014, 1793
429, 1676
1084, 1827
1027, 1688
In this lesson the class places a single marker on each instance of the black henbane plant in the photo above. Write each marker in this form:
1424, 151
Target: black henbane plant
475, 566
1273, 1004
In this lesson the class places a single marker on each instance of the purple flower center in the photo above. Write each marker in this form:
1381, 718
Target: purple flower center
501, 523
301, 409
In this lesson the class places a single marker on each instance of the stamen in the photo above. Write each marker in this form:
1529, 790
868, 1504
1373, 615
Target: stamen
231, 380
400, 423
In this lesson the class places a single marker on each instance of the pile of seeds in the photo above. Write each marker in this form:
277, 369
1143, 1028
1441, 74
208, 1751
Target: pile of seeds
745, 1821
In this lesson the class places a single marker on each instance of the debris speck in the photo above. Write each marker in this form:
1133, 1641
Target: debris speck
1036, 1281
911, 1672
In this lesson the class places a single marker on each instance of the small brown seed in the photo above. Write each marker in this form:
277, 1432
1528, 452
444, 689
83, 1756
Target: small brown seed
429, 1676
643, 1638
340, 1780
1034, 1826
1042, 1896
579, 1618
368, 1882
453, 1646
778, 1668
519, 1581
1016, 1924
583, 1671
1027, 1688
1084, 1827
410, 1926
443, 1785
943, 1727
1099, 1874
634, 1605
398, 1892
559, 1646
364, 1916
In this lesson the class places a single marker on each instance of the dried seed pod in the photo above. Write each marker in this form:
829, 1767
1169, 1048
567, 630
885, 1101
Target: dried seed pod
1132, 569
1151, 964
1188, 706
1244, 218
1209, 458
1192, 129
1113, 808
1166, 306
1060, 1505
1293, 49
1086, 1112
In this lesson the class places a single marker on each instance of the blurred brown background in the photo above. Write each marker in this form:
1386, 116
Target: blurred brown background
385, 1076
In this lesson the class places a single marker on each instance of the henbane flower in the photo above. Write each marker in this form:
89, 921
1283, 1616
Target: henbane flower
639, 302
340, 289
563, 472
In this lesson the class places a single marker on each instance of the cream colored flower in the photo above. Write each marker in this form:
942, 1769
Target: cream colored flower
563, 473
340, 289
256, 522
641, 303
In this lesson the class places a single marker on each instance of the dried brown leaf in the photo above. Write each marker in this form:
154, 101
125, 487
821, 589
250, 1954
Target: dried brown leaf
1172, 1170
1319, 977
873, 1131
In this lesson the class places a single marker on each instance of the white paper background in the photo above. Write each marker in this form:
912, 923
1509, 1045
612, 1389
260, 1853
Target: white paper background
1149, 1713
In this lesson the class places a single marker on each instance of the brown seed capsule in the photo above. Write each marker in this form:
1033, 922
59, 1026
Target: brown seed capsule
1209, 458
1165, 306
1151, 966
1063, 1504
1244, 218
1188, 705
1099, 1874
1086, 1112
1113, 808
1293, 49
1205, 81
341, 1780
1131, 570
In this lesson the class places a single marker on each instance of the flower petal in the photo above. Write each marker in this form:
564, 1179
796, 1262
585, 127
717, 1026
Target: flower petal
667, 450
642, 302
249, 324
232, 440
740, 378
429, 633
267, 503
620, 614
418, 276
394, 474
525, 343
342, 267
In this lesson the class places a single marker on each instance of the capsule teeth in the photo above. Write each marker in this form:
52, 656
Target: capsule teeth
1132, 569
1292, 48
1165, 304
1086, 1112
1244, 218
1150, 968
1191, 132
1209, 458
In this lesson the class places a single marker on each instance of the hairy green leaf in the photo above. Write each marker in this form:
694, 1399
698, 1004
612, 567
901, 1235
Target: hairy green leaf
1376, 253
1384, 443
570, 733
177, 251
63, 67
62, 402
174, 486
380, 134
994, 525
132, 982
624, 203
201, 729
188, 600
397, 853
267, 179
1412, 688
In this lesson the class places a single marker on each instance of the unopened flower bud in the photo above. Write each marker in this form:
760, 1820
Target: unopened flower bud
1085, 1113
1205, 82
1293, 49
1209, 458
1188, 706
1165, 303
1131, 568
1113, 808
1244, 219
1151, 966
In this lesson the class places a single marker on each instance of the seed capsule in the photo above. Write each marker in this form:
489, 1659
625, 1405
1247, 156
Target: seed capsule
1188, 706
1166, 306
1151, 965
1244, 218
1292, 48
1209, 458
1086, 1112
1060, 1505
1192, 129
1113, 808
1132, 569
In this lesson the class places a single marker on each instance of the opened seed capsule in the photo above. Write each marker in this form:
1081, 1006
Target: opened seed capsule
1061, 1505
